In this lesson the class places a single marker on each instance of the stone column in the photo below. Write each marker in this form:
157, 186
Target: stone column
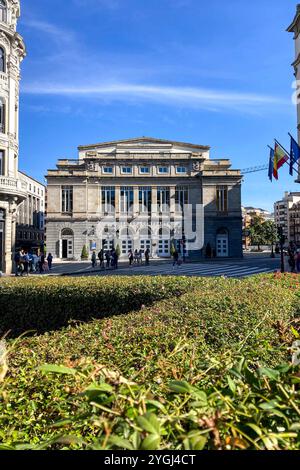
8, 242
136, 208
117, 201
172, 201
154, 222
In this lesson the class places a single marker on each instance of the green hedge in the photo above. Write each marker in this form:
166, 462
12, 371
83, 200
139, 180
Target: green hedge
43, 304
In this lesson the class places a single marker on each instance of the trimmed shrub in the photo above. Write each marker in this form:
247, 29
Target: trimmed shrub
43, 304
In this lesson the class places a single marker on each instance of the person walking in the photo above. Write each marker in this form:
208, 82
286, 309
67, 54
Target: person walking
130, 257
208, 251
175, 258
147, 257
94, 260
26, 261
136, 257
107, 257
101, 258
115, 259
41, 263
50, 261
140, 259
18, 264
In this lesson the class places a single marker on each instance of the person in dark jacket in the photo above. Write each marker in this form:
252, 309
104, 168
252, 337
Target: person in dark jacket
50, 261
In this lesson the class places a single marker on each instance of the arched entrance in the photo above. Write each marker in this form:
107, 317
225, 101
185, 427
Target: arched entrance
67, 244
222, 243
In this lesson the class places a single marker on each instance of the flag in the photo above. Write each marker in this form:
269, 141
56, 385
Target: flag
280, 158
295, 154
271, 164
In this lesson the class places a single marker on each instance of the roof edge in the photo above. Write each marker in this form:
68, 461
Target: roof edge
142, 139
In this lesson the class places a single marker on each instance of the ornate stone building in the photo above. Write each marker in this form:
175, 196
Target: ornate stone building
295, 28
12, 189
170, 193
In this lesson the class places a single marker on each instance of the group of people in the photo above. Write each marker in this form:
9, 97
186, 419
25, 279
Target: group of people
136, 257
27, 262
109, 259
294, 258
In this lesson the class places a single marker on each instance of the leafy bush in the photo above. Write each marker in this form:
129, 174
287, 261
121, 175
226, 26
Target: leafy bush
84, 253
167, 376
44, 304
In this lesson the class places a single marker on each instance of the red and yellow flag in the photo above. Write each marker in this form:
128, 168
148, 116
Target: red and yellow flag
280, 158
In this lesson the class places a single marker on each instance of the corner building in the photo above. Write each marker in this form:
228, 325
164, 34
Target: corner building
145, 179
13, 191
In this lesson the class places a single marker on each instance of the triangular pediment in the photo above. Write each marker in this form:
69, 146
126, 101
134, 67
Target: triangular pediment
143, 142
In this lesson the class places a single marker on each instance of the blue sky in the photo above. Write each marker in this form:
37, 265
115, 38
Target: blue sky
216, 73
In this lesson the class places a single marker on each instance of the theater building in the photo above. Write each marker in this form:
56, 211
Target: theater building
144, 193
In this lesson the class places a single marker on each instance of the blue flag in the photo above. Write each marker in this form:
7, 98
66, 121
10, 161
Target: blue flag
295, 154
271, 164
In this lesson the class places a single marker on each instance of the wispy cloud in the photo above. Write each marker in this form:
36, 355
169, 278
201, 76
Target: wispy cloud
184, 96
57, 34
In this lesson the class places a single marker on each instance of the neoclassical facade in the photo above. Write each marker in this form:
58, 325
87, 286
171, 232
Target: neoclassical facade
144, 193
294, 27
12, 189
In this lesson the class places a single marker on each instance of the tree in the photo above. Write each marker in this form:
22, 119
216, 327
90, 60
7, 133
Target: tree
257, 232
84, 253
271, 234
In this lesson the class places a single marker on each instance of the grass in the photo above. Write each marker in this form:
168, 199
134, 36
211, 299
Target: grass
197, 367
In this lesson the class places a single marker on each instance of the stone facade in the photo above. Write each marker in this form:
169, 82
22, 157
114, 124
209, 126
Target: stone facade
155, 182
12, 189
295, 28
30, 216
282, 211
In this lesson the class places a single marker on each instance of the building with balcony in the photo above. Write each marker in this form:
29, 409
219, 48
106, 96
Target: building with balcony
12, 190
30, 216
144, 193
282, 210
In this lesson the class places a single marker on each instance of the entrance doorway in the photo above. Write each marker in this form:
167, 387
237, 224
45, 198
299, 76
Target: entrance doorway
222, 244
67, 244
164, 248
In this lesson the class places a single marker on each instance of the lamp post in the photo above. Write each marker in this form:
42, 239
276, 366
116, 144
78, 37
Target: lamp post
282, 242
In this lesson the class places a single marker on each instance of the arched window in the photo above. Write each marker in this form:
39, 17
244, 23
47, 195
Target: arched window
2, 60
3, 11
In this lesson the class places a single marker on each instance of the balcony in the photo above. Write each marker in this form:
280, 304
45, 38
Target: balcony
12, 187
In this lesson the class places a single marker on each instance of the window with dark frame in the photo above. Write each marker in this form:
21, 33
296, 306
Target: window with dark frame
222, 199
67, 199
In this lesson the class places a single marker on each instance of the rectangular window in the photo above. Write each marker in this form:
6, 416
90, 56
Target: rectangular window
107, 170
2, 117
126, 170
126, 200
145, 199
67, 199
222, 198
163, 199
181, 198
145, 170
163, 170
108, 199
180, 170
1, 162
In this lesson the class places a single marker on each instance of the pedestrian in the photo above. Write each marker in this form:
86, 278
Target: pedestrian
101, 258
298, 261
175, 258
140, 259
208, 251
130, 257
50, 260
136, 257
107, 257
26, 261
94, 260
41, 263
18, 264
147, 257
115, 259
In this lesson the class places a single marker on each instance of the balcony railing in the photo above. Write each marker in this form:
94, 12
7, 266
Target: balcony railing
11, 184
